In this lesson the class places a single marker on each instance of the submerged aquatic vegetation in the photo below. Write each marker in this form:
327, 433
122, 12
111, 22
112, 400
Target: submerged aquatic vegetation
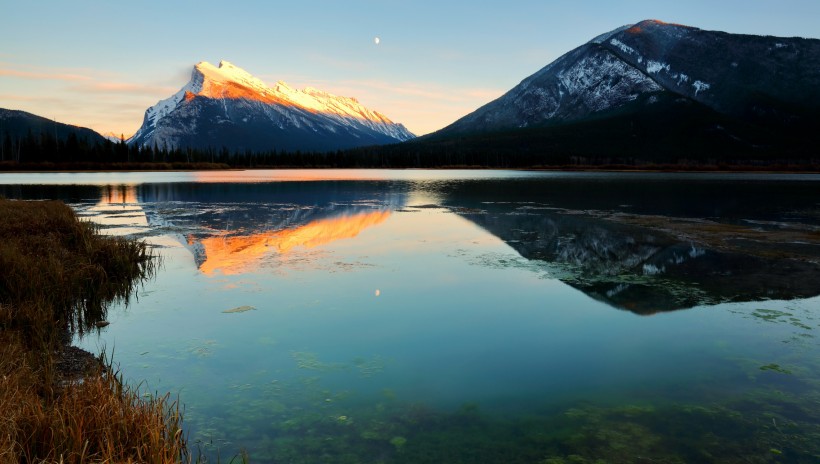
304, 422
239, 309
776, 368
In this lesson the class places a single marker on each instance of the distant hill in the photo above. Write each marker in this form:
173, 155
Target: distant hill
225, 106
28, 138
18, 124
656, 92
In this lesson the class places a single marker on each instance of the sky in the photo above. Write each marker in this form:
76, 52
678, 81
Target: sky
101, 64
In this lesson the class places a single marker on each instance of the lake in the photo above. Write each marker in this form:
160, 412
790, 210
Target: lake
470, 316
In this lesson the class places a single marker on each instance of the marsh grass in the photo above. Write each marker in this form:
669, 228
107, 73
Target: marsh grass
57, 277
58, 273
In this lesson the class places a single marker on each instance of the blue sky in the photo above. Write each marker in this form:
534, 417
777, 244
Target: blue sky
100, 64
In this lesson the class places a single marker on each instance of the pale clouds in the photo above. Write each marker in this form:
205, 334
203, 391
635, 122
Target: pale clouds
16, 73
107, 102
100, 100
422, 108
123, 88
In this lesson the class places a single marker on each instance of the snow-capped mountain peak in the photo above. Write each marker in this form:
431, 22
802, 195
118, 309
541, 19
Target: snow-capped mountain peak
287, 109
227, 73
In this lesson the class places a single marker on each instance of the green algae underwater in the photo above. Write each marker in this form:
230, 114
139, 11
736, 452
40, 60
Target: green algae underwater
307, 423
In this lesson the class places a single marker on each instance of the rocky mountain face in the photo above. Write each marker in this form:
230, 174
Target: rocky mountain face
226, 106
723, 86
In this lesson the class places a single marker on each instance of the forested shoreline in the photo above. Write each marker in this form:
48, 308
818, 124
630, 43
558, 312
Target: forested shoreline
45, 152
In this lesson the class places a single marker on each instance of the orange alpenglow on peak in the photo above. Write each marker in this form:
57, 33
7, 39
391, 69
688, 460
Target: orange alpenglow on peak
232, 82
238, 254
226, 106
638, 27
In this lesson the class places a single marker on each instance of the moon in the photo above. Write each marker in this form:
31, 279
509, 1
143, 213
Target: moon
376, 40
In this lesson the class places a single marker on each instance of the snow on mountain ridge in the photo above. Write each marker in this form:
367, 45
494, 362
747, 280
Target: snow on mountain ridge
694, 70
231, 88
311, 99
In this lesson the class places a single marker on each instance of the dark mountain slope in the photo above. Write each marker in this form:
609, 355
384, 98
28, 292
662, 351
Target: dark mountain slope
656, 92
28, 138
18, 124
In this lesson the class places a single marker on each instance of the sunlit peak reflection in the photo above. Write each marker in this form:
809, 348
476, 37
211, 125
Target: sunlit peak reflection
118, 194
118, 211
238, 254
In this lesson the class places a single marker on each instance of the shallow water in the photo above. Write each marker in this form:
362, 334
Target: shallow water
471, 316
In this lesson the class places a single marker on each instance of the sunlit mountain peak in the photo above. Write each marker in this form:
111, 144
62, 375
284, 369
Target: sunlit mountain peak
227, 102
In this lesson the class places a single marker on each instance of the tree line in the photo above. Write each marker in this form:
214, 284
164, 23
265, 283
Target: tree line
45, 148
538, 149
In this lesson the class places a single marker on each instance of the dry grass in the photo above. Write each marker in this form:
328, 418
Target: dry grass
57, 276
58, 273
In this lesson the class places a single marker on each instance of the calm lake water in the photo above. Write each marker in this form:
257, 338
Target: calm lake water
471, 316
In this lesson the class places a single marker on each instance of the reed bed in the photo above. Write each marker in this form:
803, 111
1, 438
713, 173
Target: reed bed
57, 277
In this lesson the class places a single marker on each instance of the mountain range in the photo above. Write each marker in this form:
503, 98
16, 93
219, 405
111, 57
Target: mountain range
225, 106
648, 92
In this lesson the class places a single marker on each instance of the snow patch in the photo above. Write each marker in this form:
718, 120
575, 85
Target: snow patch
780, 45
618, 289
700, 86
624, 47
653, 67
596, 82
651, 269
682, 78
695, 252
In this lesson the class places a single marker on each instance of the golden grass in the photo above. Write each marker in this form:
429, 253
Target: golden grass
58, 273
57, 276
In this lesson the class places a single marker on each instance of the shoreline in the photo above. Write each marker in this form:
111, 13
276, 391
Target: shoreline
662, 168
62, 403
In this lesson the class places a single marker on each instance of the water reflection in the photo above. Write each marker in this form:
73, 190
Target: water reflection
118, 194
657, 244
237, 254
641, 243
118, 211
236, 228
653, 266
479, 331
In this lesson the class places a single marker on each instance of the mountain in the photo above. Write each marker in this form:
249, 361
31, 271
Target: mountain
225, 106
654, 88
18, 124
114, 137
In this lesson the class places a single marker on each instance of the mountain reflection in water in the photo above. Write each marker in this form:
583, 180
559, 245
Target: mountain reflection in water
658, 244
470, 314
641, 243
647, 269
243, 253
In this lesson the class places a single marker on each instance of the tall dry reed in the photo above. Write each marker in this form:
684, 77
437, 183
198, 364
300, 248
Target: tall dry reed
57, 277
